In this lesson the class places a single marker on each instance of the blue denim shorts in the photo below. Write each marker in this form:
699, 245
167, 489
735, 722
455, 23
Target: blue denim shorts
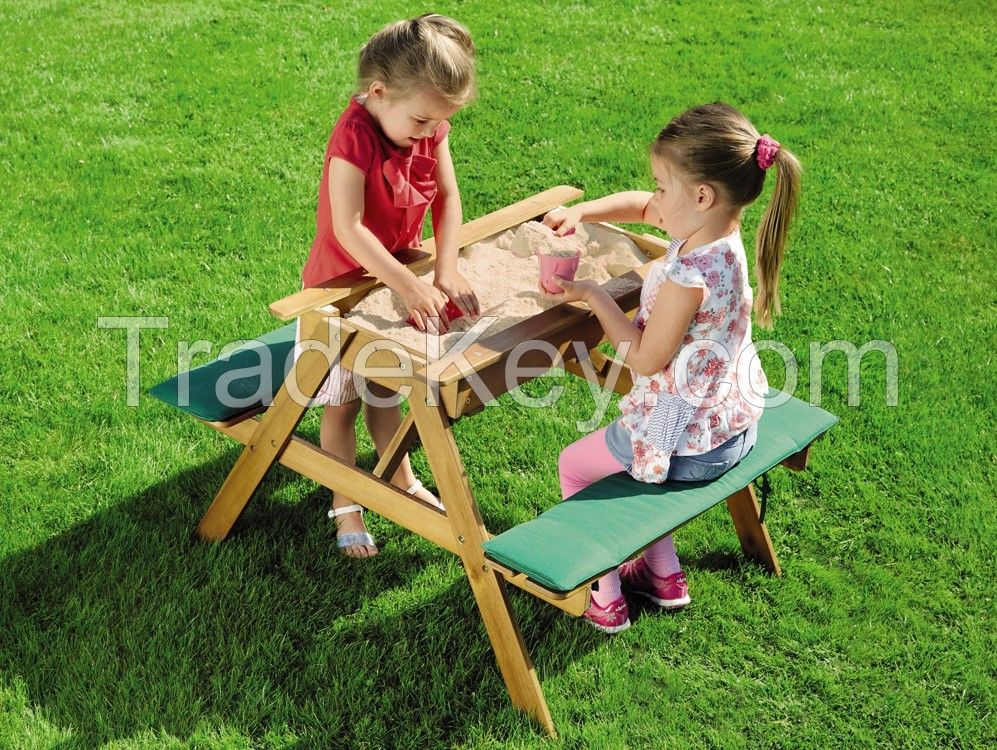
701, 468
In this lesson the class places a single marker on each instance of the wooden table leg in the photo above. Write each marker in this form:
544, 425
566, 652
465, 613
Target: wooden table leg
274, 430
397, 449
487, 585
754, 536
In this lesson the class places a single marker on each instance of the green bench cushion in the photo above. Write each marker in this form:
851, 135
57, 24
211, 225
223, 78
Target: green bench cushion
607, 522
253, 374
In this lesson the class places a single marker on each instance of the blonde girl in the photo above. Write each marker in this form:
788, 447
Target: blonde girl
386, 164
698, 387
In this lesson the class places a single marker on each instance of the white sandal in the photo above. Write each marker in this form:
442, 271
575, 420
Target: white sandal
418, 486
354, 537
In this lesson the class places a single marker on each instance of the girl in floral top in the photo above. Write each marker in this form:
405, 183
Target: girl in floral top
698, 386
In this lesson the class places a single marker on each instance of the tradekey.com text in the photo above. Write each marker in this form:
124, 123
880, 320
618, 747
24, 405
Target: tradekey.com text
463, 359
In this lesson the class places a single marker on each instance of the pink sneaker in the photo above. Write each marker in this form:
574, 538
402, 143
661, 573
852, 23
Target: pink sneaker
612, 618
671, 592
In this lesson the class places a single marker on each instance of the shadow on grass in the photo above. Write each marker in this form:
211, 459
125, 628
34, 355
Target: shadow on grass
716, 560
127, 623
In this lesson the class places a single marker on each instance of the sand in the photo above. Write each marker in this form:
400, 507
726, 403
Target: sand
505, 283
534, 238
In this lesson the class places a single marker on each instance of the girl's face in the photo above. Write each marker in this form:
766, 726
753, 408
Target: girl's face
677, 203
407, 119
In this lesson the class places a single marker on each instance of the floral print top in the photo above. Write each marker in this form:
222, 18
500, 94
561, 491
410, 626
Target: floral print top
713, 388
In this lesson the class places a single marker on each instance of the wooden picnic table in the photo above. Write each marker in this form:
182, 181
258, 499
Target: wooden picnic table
456, 386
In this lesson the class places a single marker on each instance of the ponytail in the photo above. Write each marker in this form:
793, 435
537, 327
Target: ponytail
770, 242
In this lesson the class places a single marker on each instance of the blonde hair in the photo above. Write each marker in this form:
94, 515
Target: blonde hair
716, 144
431, 51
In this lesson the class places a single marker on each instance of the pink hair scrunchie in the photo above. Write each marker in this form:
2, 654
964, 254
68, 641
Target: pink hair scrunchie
765, 151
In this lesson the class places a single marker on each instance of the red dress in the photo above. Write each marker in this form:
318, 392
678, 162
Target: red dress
399, 188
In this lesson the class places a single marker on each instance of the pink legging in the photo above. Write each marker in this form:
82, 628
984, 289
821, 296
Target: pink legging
586, 461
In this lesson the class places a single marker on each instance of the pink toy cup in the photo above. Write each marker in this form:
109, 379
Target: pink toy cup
551, 265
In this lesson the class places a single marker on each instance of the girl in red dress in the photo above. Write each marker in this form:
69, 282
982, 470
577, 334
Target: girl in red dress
387, 163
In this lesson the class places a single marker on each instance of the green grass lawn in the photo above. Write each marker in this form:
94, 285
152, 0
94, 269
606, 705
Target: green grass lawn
162, 159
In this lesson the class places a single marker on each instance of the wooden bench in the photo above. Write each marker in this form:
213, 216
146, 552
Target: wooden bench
580, 539
553, 557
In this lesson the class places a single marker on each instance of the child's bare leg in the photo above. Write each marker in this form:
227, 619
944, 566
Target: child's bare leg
338, 436
382, 422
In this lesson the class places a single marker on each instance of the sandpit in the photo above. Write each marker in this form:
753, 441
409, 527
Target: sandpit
505, 283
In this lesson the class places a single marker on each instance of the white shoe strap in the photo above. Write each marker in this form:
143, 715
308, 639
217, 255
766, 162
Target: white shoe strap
344, 510
414, 488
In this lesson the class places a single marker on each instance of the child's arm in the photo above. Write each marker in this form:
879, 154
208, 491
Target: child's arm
629, 207
423, 300
447, 217
645, 352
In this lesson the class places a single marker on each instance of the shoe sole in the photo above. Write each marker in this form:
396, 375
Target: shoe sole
610, 629
666, 603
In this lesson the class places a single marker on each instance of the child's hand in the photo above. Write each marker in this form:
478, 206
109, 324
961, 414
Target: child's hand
459, 290
574, 291
426, 306
563, 220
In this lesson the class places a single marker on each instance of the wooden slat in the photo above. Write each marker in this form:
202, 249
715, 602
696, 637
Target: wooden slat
365, 336
358, 284
397, 449
352, 285
573, 602
383, 498
402, 363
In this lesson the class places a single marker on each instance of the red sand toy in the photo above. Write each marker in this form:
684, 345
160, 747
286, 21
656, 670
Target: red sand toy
451, 311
